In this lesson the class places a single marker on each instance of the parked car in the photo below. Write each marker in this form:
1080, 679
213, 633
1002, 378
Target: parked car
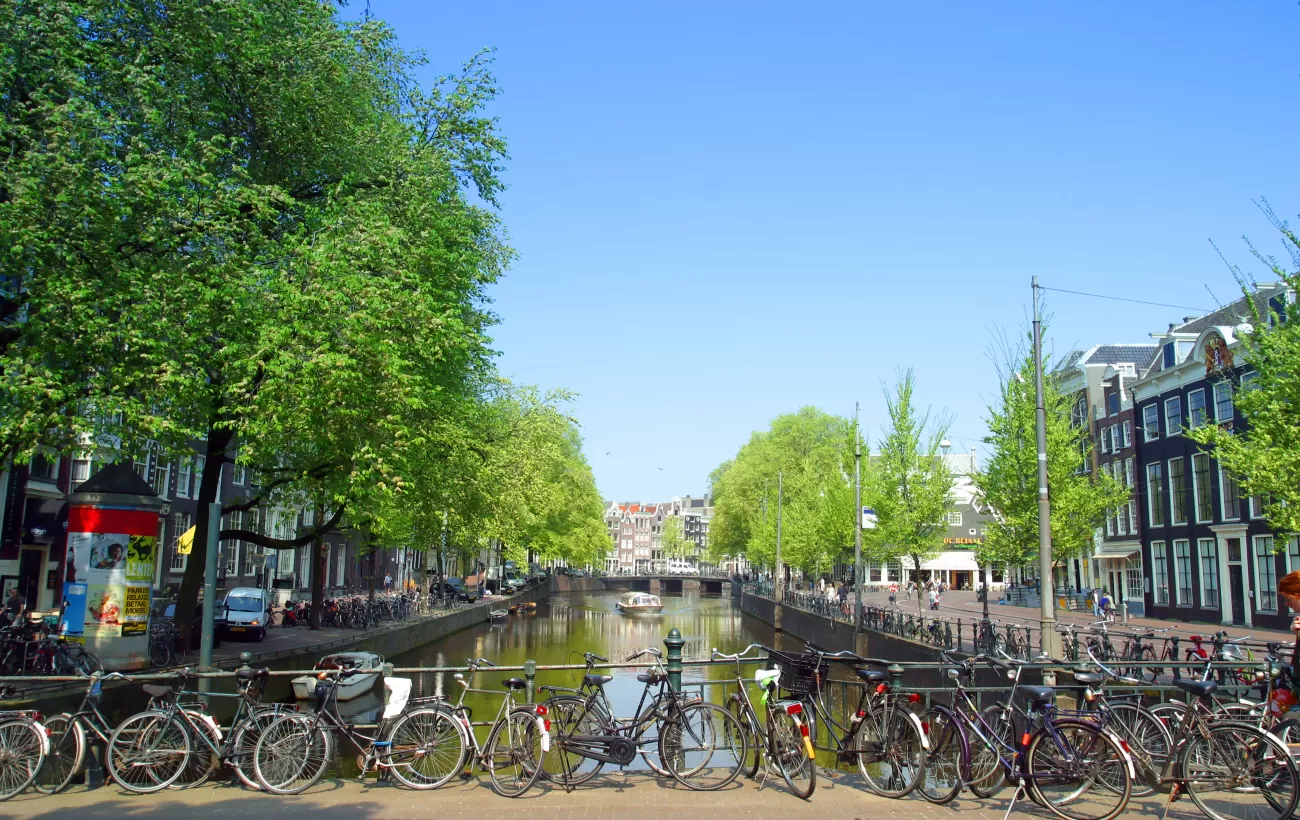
247, 612
679, 567
458, 589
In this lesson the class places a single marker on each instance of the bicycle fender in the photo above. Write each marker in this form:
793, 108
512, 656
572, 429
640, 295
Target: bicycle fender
45, 737
920, 730
546, 736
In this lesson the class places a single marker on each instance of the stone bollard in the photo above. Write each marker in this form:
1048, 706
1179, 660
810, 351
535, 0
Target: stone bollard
530, 677
674, 642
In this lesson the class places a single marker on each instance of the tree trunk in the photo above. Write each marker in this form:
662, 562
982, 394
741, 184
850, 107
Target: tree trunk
318, 570
916, 564
188, 597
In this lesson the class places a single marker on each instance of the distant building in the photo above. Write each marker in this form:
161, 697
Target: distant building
636, 532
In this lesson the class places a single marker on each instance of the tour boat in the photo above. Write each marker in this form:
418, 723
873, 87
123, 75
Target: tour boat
640, 602
350, 687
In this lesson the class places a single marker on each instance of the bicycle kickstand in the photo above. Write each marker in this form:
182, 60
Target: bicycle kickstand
1020, 790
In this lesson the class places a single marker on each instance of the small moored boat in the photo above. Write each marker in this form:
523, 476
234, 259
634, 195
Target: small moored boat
640, 602
498, 615
349, 687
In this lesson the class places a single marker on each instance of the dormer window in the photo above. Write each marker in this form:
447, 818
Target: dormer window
1112, 404
1168, 352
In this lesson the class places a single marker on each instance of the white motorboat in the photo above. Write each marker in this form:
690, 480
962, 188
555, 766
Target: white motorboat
349, 687
633, 602
498, 615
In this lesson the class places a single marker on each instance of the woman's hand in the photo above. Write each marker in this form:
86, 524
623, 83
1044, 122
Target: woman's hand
1295, 625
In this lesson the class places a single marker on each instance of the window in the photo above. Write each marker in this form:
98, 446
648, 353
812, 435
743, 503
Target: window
304, 568
81, 470
954, 519
1160, 571
232, 557
180, 524
1293, 555
1110, 524
1196, 408
1134, 572
1229, 496
1256, 506
43, 468
1173, 416
240, 475
199, 463
250, 553
875, 573
1223, 412
1105, 440
309, 517
1265, 575
162, 472
1201, 488
1112, 404
1167, 356
1133, 515
1155, 496
184, 475
1208, 549
1183, 572
1177, 492
140, 464
1128, 432
1150, 423
1250, 380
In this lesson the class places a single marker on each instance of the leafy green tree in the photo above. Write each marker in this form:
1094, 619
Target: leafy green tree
814, 453
910, 485
672, 540
1008, 481
245, 223
1265, 455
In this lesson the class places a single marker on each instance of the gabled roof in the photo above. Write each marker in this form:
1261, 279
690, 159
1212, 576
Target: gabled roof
1230, 315
1139, 355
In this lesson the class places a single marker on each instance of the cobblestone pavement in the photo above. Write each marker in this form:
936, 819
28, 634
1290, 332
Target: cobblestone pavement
634, 796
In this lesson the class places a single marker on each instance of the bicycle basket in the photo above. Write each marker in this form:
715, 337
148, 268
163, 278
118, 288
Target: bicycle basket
799, 672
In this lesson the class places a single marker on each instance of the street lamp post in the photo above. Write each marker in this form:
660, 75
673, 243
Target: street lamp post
1047, 622
857, 528
780, 575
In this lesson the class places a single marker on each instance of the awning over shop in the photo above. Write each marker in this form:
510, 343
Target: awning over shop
952, 560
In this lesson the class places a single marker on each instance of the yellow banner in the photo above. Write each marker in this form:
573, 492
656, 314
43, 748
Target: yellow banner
186, 542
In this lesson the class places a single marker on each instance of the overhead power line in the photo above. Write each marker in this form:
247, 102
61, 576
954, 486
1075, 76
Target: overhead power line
1123, 299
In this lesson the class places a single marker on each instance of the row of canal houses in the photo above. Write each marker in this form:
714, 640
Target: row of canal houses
1187, 546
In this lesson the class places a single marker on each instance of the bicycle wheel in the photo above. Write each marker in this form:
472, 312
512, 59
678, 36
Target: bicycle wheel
703, 746
564, 764
1079, 773
987, 774
513, 755
1149, 670
749, 725
1146, 736
66, 754
1236, 771
425, 748
159, 654
291, 756
22, 753
940, 783
147, 752
791, 756
891, 757
202, 762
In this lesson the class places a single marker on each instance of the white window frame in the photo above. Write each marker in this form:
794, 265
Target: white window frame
1183, 566
178, 562
1110, 523
1293, 554
1159, 573
163, 469
1219, 415
1133, 573
1192, 423
1105, 440
89, 469
239, 475
184, 476
1156, 495
141, 467
1198, 491
954, 518
1147, 429
1265, 587
1172, 429
1255, 506
1223, 498
1207, 554
1174, 492
1128, 433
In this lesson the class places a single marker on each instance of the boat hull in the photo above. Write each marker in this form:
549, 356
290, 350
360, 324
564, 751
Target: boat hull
353, 687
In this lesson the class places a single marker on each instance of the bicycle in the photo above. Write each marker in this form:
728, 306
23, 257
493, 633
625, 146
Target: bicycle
883, 736
783, 737
171, 742
24, 747
295, 749
1221, 763
1063, 761
695, 741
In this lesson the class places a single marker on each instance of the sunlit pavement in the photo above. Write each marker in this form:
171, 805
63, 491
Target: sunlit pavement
612, 794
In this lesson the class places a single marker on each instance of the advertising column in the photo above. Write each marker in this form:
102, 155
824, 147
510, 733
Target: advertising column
112, 544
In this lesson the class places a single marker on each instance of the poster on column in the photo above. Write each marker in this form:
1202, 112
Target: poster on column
116, 571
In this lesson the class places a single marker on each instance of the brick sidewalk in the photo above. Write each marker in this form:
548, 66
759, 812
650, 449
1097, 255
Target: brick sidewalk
634, 796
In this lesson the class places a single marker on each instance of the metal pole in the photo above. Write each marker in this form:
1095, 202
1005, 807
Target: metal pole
857, 527
1047, 622
209, 593
779, 587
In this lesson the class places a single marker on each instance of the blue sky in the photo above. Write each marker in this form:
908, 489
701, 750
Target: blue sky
724, 211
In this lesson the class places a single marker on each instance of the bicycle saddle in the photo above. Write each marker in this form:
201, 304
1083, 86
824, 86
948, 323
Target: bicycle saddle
1089, 678
872, 675
596, 680
1200, 688
155, 691
649, 677
1039, 694
514, 683
248, 673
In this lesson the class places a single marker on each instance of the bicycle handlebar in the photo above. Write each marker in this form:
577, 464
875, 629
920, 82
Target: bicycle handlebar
592, 657
649, 650
736, 656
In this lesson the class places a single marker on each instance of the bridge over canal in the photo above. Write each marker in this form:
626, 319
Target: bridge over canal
646, 583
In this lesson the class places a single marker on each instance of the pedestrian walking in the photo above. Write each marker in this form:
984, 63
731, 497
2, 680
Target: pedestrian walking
388, 583
1107, 607
893, 593
1095, 597
934, 599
